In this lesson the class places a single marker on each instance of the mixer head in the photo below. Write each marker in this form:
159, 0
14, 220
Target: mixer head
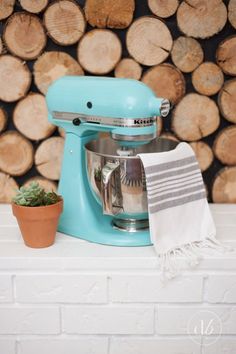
126, 108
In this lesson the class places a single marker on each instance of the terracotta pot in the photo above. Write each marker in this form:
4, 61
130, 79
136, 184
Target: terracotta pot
38, 225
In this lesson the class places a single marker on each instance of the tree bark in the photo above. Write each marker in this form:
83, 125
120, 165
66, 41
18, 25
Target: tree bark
8, 188
226, 55
208, 79
201, 19
128, 68
48, 157
15, 78
30, 117
144, 45
65, 22
163, 8
24, 35
1, 46
227, 100
166, 81
6, 8
16, 153
224, 186
186, 54
109, 13
99, 51
43, 182
195, 117
34, 6
3, 119
53, 65
225, 145
203, 154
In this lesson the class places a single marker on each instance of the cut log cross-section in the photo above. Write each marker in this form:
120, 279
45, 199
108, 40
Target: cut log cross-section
226, 55
6, 8
15, 78
31, 117
53, 65
128, 68
224, 186
8, 188
201, 19
208, 79
48, 157
99, 51
225, 145
24, 35
34, 6
143, 43
203, 154
232, 12
16, 153
3, 119
65, 22
227, 100
109, 13
195, 117
166, 81
164, 8
186, 54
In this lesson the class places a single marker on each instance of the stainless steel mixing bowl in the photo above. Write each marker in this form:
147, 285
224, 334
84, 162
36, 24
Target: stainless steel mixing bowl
117, 180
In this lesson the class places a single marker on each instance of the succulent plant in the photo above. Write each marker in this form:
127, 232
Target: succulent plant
34, 195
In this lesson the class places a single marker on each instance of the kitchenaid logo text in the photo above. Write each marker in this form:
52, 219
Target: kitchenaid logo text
143, 121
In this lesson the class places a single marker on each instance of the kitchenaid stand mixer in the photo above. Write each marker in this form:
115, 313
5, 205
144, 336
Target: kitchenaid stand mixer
83, 107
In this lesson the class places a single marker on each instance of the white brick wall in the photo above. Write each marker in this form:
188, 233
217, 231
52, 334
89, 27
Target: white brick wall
150, 288
82, 298
53, 288
108, 320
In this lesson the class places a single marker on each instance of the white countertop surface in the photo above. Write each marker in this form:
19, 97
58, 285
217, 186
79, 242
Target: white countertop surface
73, 253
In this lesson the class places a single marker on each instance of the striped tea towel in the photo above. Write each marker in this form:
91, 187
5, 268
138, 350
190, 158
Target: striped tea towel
179, 216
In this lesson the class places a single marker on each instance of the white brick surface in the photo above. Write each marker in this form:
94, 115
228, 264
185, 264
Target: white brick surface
150, 288
88, 345
154, 346
82, 298
221, 288
6, 294
177, 319
7, 346
29, 320
53, 288
223, 345
109, 320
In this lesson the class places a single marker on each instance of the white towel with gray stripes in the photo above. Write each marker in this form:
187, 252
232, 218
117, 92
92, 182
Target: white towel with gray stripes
180, 220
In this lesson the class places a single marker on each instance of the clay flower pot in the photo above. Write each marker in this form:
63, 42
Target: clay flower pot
38, 225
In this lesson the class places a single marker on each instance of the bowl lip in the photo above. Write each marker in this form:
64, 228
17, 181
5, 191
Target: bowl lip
136, 157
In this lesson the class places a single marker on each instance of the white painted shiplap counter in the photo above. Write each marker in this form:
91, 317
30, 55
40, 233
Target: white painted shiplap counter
82, 298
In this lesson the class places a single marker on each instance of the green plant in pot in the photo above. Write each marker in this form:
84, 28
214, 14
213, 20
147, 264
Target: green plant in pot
37, 213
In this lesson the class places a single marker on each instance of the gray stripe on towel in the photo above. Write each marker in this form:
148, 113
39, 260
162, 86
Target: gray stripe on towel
168, 165
175, 194
177, 202
187, 178
181, 171
172, 186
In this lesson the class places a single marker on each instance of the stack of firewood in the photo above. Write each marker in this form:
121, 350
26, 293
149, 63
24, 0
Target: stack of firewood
162, 44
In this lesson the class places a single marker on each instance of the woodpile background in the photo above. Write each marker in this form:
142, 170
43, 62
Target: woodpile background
184, 50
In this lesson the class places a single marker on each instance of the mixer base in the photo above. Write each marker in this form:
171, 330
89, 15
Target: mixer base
131, 225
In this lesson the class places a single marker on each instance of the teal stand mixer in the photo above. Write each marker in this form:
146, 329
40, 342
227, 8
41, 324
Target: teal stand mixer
102, 179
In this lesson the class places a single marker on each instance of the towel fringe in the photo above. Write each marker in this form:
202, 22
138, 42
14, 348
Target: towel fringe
191, 252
